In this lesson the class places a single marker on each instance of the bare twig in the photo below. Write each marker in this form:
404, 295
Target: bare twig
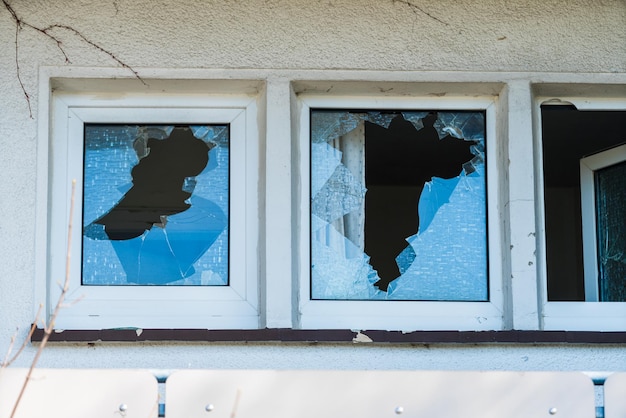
233, 413
17, 68
20, 23
98, 47
7, 362
49, 328
417, 9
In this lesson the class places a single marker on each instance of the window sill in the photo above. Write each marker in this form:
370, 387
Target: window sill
333, 336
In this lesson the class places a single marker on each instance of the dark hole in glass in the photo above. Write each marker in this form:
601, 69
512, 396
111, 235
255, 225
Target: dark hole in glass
158, 181
399, 160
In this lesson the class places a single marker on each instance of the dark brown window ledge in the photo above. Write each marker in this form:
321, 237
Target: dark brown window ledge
333, 336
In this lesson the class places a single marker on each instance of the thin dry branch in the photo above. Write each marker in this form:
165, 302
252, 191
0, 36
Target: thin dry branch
233, 412
7, 362
20, 23
49, 328
17, 67
98, 47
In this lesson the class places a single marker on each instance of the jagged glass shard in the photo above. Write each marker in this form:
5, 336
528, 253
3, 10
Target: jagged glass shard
377, 118
446, 258
186, 246
340, 269
405, 259
327, 126
317, 223
211, 134
415, 118
325, 159
469, 126
435, 194
479, 151
189, 184
462, 125
450, 261
155, 131
95, 231
143, 133
341, 194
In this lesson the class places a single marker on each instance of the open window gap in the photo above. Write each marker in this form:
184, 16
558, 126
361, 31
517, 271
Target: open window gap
569, 135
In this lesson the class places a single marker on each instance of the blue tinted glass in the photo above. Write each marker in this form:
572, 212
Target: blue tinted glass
398, 205
155, 205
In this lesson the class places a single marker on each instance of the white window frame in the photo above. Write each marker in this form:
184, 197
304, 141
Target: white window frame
588, 166
401, 315
570, 315
277, 200
103, 307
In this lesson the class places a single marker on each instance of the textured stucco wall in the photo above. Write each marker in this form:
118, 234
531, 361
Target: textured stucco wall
487, 35
554, 35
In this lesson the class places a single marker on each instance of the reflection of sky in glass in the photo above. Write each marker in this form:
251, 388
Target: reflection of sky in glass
176, 254
446, 259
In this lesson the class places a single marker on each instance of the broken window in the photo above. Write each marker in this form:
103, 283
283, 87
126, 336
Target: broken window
398, 205
585, 203
155, 204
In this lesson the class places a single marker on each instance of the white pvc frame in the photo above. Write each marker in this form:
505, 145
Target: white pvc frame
402, 315
588, 166
570, 315
98, 307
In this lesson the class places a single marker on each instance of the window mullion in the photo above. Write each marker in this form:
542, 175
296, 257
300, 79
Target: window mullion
279, 248
524, 292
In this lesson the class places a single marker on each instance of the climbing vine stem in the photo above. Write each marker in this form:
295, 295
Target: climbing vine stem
50, 32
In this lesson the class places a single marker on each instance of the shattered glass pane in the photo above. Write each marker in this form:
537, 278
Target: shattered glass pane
327, 126
415, 118
611, 213
341, 194
398, 205
155, 205
381, 119
337, 257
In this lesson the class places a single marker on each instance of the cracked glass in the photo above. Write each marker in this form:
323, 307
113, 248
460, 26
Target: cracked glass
398, 205
155, 205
